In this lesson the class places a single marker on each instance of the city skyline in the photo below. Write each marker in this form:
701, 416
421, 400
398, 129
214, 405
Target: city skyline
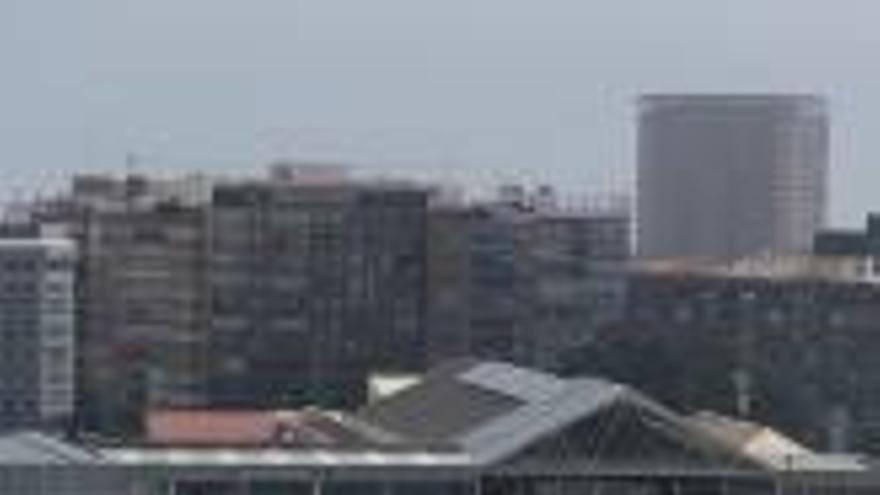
456, 247
545, 93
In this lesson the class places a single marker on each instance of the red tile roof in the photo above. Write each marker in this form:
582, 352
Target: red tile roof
239, 427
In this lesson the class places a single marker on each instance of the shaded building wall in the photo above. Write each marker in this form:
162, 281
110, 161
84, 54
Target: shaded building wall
861, 243
313, 287
262, 294
142, 313
800, 355
477, 291
519, 285
572, 283
448, 274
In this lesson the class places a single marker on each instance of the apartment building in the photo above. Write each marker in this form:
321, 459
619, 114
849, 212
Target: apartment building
522, 277
37, 337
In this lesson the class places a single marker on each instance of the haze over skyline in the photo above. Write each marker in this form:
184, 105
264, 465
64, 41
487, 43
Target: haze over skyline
488, 88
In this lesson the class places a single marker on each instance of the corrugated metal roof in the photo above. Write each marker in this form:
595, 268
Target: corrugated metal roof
30, 448
507, 435
493, 411
463, 407
468, 415
519, 383
440, 408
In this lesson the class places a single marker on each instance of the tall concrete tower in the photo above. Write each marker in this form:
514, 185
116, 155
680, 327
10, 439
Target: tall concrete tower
723, 175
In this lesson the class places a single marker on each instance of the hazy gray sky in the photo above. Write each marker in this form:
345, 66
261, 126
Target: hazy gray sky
542, 89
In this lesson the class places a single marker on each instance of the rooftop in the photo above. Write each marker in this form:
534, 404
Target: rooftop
30, 448
306, 428
37, 242
842, 269
762, 99
464, 416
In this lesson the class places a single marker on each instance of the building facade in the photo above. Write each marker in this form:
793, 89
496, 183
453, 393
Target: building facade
143, 312
475, 289
251, 292
37, 338
293, 289
731, 175
794, 345
140, 292
312, 288
521, 280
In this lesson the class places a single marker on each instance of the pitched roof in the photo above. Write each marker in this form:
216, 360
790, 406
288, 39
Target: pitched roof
495, 410
466, 415
210, 427
442, 407
31, 448
770, 447
308, 427
747, 436
488, 408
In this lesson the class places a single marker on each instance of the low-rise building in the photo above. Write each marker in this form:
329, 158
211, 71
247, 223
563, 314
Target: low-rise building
469, 427
850, 242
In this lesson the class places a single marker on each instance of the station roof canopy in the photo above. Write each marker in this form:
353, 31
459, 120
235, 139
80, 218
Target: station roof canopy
467, 415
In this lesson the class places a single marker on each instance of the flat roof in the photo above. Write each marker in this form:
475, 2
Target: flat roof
44, 242
842, 269
745, 98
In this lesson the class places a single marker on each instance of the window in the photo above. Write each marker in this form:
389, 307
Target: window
149, 235
58, 285
59, 264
